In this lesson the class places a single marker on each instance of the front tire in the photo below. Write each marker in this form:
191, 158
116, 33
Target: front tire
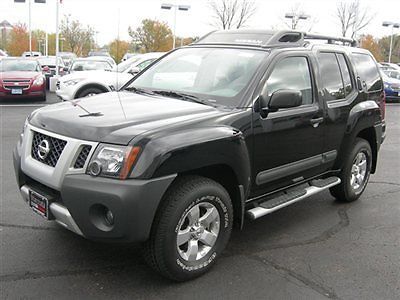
89, 92
191, 229
355, 173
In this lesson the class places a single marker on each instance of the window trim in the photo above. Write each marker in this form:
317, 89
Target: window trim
376, 67
350, 74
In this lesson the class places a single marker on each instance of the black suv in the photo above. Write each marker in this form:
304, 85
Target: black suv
241, 123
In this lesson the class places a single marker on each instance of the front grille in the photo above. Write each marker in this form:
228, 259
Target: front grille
9, 87
16, 80
56, 147
82, 157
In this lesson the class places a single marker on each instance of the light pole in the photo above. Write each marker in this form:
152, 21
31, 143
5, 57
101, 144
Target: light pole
175, 7
29, 21
295, 18
393, 25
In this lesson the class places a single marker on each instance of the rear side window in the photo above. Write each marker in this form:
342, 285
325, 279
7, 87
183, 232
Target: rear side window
368, 71
331, 77
291, 73
345, 73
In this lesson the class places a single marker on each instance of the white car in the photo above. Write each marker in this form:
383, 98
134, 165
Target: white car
89, 83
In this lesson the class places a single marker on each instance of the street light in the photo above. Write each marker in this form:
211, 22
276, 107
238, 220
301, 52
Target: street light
175, 8
393, 25
30, 13
295, 18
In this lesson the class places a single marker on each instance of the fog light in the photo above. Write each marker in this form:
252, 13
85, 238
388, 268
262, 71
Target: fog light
109, 217
95, 168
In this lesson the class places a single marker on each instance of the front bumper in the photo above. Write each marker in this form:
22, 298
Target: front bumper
80, 203
64, 92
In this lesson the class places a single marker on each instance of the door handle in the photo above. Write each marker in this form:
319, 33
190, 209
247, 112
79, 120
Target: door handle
315, 122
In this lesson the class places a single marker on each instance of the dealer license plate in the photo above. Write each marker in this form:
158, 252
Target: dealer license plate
16, 91
39, 204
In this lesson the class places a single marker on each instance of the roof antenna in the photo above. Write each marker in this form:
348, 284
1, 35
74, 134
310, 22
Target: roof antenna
119, 98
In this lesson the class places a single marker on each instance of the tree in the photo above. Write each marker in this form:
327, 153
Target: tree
152, 36
384, 44
19, 40
352, 17
118, 48
78, 38
368, 42
230, 14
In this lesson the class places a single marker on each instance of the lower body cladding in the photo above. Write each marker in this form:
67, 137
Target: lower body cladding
101, 209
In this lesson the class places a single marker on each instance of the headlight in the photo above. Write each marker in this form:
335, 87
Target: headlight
21, 136
113, 161
72, 81
38, 81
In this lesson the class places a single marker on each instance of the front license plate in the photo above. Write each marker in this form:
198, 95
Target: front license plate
16, 91
39, 204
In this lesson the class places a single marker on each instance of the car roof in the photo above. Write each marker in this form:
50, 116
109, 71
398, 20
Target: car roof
267, 39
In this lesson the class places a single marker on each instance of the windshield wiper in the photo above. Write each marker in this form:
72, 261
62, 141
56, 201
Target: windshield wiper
182, 96
138, 90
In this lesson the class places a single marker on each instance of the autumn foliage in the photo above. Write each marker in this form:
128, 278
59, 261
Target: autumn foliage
19, 40
368, 42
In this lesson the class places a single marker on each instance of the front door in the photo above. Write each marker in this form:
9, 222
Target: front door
288, 143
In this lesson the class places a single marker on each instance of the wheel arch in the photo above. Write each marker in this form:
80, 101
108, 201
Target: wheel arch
91, 85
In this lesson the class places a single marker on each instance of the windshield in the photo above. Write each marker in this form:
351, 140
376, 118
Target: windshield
123, 66
19, 65
90, 65
214, 74
393, 74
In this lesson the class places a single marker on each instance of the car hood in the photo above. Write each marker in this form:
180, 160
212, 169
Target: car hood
18, 75
123, 116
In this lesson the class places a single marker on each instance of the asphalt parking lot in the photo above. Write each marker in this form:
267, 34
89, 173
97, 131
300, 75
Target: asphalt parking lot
315, 249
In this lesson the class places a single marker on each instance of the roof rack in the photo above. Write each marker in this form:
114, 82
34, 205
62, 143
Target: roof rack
266, 38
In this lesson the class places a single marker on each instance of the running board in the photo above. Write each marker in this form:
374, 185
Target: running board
267, 207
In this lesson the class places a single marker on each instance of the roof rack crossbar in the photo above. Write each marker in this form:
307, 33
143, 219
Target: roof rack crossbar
330, 39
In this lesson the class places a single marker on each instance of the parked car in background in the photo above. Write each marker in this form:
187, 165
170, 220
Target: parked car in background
392, 87
3, 53
99, 53
390, 66
90, 64
393, 74
128, 56
48, 64
86, 84
67, 57
107, 58
22, 78
31, 54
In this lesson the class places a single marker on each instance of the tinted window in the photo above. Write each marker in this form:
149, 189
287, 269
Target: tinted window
330, 75
291, 73
345, 73
368, 71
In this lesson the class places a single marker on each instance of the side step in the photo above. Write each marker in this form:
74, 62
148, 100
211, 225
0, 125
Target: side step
316, 186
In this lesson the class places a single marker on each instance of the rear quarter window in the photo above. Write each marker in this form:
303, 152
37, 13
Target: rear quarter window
368, 71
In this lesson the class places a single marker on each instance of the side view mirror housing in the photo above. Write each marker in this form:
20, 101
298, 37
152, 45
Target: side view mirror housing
134, 70
280, 99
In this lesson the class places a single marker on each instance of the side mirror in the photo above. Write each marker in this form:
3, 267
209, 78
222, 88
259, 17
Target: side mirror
65, 69
278, 100
134, 70
285, 99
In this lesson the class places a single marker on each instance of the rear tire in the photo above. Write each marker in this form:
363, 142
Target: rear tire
191, 229
89, 92
355, 173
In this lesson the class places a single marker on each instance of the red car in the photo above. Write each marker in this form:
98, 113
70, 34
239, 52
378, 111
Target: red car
21, 78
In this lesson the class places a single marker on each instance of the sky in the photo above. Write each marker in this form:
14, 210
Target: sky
111, 18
